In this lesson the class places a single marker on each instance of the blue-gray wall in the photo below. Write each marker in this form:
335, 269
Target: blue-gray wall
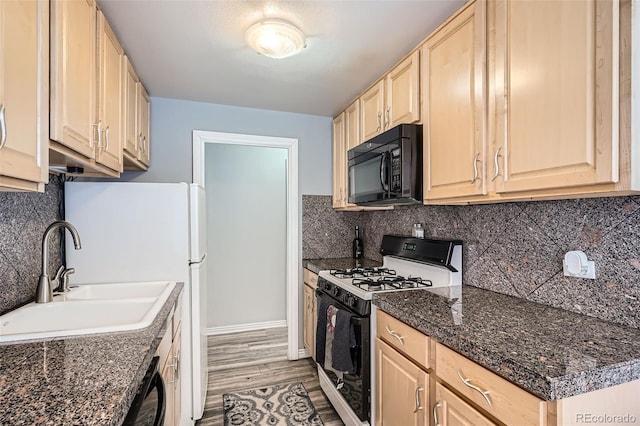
172, 123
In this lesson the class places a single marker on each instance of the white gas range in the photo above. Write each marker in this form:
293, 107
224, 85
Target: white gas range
409, 264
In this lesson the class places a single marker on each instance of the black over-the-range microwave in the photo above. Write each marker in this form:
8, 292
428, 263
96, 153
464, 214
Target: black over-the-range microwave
387, 169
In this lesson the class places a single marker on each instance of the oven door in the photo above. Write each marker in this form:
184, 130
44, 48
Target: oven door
354, 385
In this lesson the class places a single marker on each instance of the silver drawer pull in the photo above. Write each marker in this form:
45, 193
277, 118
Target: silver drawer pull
3, 128
435, 414
394, 334
496, 165
418, 406
467, 383
475, 167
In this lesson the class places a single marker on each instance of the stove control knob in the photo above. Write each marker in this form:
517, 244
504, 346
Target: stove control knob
335, 291
350, 301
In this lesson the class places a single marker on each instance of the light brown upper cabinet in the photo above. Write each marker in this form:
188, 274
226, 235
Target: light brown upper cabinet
110, 97
94, 94
556, 94
352, 125
454, 93
144, 121
137, 119
24, 84
393, 100
339, 162
73, 121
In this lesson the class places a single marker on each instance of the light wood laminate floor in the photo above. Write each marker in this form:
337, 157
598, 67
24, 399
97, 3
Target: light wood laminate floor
254, 359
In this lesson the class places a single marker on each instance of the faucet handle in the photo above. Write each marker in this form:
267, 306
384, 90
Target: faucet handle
61, 281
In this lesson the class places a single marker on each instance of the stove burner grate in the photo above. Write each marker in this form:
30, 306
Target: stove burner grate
391, 283
362, 272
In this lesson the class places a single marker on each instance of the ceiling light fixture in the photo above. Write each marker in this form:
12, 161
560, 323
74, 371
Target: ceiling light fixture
275, 38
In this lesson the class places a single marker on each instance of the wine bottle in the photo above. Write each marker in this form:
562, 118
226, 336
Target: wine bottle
357, 245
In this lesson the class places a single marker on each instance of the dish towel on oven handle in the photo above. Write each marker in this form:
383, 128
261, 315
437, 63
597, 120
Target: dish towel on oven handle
344, 338
329, 341
321, 330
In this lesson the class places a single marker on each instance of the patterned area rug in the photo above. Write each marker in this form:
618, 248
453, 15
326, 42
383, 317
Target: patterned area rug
282, 405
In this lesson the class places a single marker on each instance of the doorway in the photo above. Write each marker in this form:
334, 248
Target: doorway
252, 206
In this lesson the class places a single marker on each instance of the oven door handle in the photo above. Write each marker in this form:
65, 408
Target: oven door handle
383, 170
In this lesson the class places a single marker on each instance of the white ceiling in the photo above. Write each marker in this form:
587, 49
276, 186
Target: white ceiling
195, 50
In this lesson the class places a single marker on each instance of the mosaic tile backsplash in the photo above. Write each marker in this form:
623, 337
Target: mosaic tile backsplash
23, 220
511, 248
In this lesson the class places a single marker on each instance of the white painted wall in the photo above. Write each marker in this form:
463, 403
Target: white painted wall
172, 123
246, 219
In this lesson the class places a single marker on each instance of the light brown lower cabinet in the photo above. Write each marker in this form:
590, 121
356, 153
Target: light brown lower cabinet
401, 389
449, 410
310, 310
169, 353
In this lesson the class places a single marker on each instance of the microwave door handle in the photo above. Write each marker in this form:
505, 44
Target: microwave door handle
383, 175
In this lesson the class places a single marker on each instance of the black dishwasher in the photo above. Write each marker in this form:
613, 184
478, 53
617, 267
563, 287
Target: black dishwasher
148, 406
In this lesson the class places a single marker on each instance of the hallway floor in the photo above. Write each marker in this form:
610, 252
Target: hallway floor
254, 359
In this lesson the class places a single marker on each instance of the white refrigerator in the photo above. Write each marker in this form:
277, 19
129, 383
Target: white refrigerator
148, 232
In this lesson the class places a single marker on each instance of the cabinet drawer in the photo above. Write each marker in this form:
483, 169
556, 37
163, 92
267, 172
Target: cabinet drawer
499, 397
405, 339
310, 278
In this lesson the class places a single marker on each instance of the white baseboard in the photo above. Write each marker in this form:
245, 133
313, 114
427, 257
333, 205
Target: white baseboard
302, 353
226, 329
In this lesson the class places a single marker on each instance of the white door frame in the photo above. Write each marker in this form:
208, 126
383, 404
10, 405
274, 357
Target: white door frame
200, 138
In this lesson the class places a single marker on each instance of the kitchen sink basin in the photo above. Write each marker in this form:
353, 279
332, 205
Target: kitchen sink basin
87, 309
118, 291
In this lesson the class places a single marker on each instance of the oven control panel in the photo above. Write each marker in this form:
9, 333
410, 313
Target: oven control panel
344, 299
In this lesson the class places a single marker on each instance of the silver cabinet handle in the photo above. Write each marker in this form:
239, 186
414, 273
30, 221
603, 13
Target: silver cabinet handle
496, 164
475, 167
418, 406
99, 134
106, 138
467, 383
379, 122
140, 144
435, 414
3, 128
394, 334
387, 114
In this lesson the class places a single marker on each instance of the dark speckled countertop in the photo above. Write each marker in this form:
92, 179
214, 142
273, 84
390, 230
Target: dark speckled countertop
80, 380
551, 352
317, 265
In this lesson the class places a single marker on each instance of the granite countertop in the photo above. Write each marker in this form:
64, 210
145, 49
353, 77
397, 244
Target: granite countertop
551, 352
317, 265
79, 380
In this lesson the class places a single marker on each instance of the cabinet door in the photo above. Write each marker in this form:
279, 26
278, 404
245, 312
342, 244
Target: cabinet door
24, 74
556, 93
402, 101
168, 375
454, 118
131, 110
110, 97
73, 75
371, 106
308, 330
144, 121
401, 389
177, 400
339, 162
449, 409
352, 125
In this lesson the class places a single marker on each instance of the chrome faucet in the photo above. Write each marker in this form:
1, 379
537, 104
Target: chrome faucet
44, 293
